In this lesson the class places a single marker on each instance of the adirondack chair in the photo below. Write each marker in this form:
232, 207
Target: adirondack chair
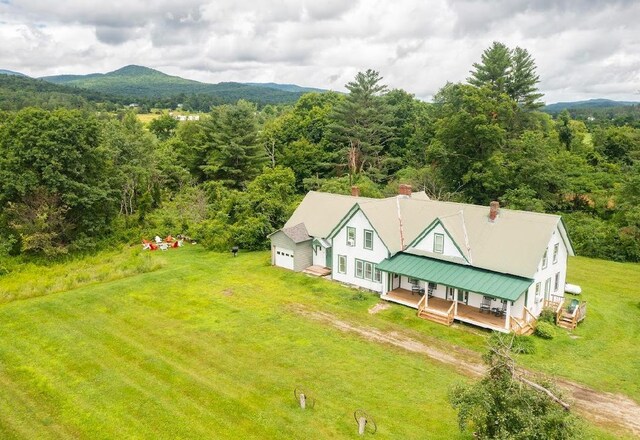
485, 305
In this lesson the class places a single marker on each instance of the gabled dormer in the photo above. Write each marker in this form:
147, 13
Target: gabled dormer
437, 241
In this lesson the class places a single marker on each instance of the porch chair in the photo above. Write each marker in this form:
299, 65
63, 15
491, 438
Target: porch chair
485, 305
503, 310
415, 288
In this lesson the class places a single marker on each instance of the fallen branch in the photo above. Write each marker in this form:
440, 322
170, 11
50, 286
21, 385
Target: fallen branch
542, 389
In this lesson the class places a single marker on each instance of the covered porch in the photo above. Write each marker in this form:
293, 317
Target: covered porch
445, 292
446, 311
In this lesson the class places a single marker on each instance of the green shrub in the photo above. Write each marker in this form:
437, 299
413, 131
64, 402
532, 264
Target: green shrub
545, 330
547, 315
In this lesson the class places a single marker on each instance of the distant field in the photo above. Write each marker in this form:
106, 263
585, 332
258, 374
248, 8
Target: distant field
145, 118
208, 346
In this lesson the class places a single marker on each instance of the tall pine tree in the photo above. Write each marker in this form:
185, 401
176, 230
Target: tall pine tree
235, 156
361, 125
508, 71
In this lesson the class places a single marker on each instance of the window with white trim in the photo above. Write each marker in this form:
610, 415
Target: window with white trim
342, 264
351, 236
413, 281
555, 252
368, 239
556, 283
368, 271
359, 269
538, 297
377, 274
438, 243
545, 259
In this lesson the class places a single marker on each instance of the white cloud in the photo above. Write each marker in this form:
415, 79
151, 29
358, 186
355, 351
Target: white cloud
583, 49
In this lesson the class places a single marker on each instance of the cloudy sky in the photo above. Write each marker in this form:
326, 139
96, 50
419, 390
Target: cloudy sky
583, 48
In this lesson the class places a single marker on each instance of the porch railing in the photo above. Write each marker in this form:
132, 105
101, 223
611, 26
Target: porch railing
527, 316
553, 302
422, 304
451, 313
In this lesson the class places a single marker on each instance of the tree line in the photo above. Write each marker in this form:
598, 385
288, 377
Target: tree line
71, 178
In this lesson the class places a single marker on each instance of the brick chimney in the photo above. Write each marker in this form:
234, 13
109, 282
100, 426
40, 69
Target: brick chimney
404, 190
494, 210
355, 191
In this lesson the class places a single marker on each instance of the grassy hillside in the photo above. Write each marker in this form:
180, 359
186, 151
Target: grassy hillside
142, 82
202, 345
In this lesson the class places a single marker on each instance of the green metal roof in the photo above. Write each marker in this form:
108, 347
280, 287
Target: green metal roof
469, 278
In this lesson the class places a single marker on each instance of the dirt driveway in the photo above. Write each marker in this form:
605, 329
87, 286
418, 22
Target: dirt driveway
600, 407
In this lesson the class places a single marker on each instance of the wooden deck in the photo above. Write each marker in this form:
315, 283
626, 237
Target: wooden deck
437, 309
318, 271
404, 297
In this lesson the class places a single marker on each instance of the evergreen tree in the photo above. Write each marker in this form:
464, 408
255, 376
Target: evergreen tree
235, 155
361, 125
494, 70
522, 81
508, 71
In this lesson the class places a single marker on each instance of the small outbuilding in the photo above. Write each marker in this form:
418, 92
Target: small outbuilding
291, 248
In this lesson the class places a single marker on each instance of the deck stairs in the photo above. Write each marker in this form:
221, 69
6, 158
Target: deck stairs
440, 317
570, 319
522, 327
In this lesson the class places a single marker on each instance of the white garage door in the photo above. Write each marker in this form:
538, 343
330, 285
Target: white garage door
284, 258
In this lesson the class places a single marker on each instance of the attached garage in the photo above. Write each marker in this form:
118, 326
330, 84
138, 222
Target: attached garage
291, 248
283, 257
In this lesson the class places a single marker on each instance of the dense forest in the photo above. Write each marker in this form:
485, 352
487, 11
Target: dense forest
73, 178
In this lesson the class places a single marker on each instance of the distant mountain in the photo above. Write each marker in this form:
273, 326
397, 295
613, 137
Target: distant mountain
591, 103
142, 82
11, 72
287, 87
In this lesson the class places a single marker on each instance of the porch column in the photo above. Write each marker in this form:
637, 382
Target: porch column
385, 281
455, 306
507, 320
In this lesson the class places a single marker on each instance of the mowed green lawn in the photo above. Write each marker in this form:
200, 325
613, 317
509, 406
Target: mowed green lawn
604, 351
209, 346
206, 347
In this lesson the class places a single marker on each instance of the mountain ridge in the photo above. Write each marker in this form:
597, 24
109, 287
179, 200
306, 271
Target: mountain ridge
144, 82
589, 103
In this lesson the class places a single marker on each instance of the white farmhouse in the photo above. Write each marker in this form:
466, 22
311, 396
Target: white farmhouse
492, 267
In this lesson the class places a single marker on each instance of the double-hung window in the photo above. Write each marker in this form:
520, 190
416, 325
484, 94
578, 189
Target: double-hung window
368, 239
545, 259
359, 269
438, 243
556, 284
342, 264
538, 296
368, 271
377, 275
555, 252
351, 236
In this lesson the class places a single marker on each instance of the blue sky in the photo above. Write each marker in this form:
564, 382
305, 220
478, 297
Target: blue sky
583, 49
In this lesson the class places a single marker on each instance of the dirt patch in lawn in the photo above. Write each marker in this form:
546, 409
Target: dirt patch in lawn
378, 308
603, 408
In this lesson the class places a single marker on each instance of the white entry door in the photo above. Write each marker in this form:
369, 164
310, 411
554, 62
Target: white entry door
284, 258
